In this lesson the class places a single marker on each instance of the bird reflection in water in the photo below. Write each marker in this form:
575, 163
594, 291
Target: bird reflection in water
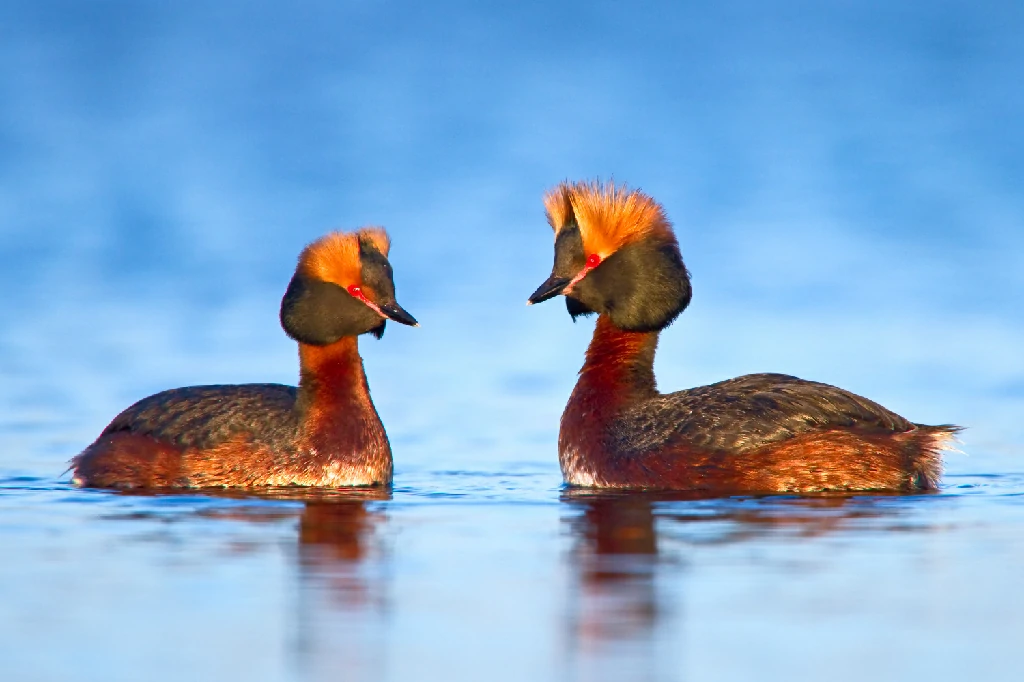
340, 594
627, 578
336, 538
336, 562
342, 588
618, 622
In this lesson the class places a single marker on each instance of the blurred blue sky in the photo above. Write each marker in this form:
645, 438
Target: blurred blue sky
845, 178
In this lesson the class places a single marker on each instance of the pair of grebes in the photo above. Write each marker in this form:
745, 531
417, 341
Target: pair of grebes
615, 255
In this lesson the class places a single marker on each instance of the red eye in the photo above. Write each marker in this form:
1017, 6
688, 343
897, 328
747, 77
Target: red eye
355, 290
593, 260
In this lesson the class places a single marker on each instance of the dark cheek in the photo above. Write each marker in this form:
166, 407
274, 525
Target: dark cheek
589, 297
576, 307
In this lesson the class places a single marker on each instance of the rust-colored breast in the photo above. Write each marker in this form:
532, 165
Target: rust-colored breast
340, 420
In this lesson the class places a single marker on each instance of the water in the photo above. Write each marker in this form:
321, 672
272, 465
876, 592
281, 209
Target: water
845, 182
504, 573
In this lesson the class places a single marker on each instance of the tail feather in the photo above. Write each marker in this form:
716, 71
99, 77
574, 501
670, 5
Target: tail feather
926, 444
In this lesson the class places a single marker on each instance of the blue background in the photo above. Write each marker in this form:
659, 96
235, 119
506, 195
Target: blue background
845, 179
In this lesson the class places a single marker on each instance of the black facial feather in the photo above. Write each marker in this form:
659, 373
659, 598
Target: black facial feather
569, 255
576, 308
319, 313
642, 287
569, 260
378, 277
376, 272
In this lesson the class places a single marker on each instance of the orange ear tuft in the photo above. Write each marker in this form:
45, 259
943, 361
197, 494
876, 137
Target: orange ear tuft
558, 206
610, 216
335, 256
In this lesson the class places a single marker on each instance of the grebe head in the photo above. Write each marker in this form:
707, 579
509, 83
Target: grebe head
342, 287
615, 254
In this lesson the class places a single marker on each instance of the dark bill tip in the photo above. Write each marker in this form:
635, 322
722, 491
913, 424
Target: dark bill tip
395, 312
552, 287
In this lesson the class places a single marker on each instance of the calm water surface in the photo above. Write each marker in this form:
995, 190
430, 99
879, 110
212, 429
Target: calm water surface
458, 574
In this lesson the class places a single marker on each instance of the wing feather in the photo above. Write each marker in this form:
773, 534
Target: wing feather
205, 416
748, 412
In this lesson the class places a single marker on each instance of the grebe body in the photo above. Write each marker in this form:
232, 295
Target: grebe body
616, 255
325, 432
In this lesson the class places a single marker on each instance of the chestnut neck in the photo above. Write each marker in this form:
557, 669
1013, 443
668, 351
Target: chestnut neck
619, 365
331, 379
